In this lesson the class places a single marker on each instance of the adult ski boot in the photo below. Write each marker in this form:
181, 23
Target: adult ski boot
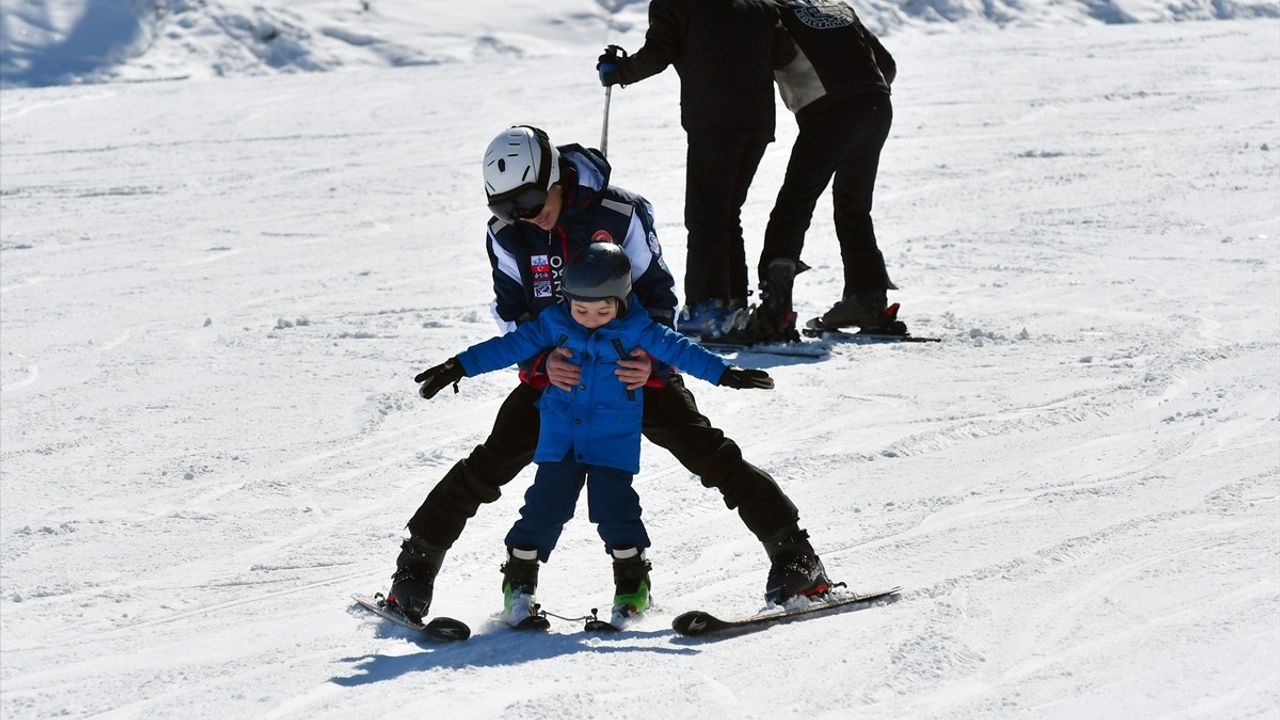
709, 319
795, 569
414, 580
774, 319
868, 311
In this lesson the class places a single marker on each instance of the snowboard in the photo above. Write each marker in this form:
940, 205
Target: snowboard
440, 629
699, 623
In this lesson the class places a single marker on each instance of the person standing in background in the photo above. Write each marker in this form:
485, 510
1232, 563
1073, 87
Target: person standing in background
724, 52
836, 79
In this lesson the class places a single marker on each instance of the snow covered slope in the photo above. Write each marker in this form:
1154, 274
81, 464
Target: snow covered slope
213, 298
45, 42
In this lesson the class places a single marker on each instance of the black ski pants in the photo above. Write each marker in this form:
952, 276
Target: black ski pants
843, 139
718, 172
671, 420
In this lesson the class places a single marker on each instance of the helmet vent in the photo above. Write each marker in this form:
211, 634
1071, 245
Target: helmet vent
502, 165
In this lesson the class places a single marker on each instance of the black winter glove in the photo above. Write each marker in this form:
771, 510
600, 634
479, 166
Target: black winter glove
607, 65
439, 377
740, 379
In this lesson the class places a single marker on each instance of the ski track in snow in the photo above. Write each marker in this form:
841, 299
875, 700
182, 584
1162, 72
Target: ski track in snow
216, 295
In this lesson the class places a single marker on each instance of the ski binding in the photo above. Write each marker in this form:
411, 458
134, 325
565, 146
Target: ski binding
699, 623
440, 629
618, 622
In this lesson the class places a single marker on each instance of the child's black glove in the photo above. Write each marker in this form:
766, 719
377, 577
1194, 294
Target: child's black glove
439, 377
740, 379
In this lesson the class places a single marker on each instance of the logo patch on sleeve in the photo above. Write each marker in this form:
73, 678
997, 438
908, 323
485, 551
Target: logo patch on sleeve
826, 16
654, 247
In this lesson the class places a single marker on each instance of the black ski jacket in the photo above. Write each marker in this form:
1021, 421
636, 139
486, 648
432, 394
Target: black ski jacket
834, 56
723, 51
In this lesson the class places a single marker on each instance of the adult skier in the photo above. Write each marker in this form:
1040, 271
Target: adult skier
836, 80
549, 203
723, 51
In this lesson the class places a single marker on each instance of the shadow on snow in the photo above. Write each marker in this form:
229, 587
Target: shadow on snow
498, 647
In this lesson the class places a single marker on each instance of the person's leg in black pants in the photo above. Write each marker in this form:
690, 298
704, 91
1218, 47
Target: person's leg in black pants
864, 271
672, 421
818, 150
748, 162
477, 478
718, 174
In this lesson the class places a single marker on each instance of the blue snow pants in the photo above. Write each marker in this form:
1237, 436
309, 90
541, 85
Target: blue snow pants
612, 504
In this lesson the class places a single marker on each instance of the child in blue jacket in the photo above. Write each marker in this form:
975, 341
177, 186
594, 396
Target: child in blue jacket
591, 434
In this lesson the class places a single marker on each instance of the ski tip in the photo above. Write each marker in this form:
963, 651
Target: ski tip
601, 626
448, 629
694, 623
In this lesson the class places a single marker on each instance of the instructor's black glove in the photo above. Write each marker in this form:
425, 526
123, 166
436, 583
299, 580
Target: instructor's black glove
740, 379
439, 377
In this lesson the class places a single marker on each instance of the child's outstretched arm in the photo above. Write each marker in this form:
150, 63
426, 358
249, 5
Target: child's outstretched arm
676, 349
492, 354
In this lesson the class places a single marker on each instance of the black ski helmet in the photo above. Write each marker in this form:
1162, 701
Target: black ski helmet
601, 271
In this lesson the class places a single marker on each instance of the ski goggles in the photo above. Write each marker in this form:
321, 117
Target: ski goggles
521, 203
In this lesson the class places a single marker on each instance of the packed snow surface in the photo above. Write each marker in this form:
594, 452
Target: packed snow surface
215, 295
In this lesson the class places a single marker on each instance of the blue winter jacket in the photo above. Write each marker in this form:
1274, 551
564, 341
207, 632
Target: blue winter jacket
599, 419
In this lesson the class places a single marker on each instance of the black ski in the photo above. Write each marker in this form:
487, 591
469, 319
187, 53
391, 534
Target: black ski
440, 629
896, 333
798, 348
699, 623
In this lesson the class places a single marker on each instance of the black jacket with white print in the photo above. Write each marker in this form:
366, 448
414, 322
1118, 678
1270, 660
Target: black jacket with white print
834, 56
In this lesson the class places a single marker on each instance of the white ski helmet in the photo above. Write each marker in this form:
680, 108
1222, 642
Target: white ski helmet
520, 165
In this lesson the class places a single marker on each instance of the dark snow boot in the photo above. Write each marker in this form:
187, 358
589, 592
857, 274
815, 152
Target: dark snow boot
868, 311
630, 581
413, 581
795, 570
519, 584
774, 319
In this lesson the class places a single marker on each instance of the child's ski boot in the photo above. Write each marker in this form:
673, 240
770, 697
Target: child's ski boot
519, 583
630, 585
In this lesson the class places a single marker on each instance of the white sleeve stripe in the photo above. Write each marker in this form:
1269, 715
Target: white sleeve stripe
503, 325
506, 261
636, 246
618, 207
